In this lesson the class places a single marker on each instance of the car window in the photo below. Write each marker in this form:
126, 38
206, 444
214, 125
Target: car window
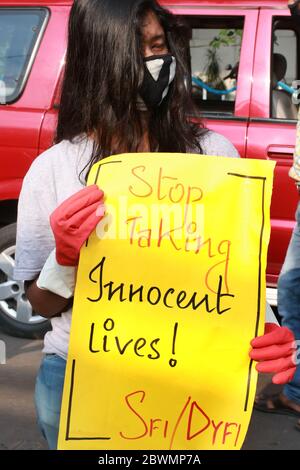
20, 32
215, 46
284, 68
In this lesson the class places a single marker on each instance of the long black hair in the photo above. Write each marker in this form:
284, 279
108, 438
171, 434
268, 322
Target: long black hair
103, 73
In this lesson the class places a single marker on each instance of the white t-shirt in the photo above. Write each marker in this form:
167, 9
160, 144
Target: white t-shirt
52, 178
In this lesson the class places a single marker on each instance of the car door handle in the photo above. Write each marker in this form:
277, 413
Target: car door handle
280, 151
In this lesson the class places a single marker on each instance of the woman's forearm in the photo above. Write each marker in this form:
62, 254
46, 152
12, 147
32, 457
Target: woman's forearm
44, 302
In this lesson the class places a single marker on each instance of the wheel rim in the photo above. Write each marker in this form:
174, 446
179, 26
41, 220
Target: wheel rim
13, 301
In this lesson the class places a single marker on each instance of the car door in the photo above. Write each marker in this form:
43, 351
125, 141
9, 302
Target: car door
272, 125
222, 42
21, 32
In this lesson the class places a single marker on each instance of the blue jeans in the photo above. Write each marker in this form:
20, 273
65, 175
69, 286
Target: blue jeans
289, 300
48, 396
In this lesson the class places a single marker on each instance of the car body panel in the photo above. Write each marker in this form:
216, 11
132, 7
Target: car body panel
27, 126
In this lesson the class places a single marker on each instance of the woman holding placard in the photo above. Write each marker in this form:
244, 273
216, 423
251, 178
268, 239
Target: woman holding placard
124, 90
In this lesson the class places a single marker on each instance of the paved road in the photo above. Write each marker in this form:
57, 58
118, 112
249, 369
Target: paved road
17, 415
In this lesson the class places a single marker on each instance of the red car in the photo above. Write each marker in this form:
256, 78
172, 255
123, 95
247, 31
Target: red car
244, 60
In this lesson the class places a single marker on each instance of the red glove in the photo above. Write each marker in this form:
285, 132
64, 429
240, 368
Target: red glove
73, 222
275, 352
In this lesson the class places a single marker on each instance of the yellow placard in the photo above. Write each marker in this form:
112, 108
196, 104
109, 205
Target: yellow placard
170, 291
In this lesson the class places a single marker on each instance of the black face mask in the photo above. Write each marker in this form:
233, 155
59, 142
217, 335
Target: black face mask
295, 11
159, 72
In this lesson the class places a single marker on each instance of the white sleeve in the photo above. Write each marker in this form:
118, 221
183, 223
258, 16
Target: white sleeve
35, 239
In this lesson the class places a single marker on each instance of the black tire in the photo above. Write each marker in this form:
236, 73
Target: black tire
8, 324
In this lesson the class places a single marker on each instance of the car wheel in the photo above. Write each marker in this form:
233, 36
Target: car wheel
16, 315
